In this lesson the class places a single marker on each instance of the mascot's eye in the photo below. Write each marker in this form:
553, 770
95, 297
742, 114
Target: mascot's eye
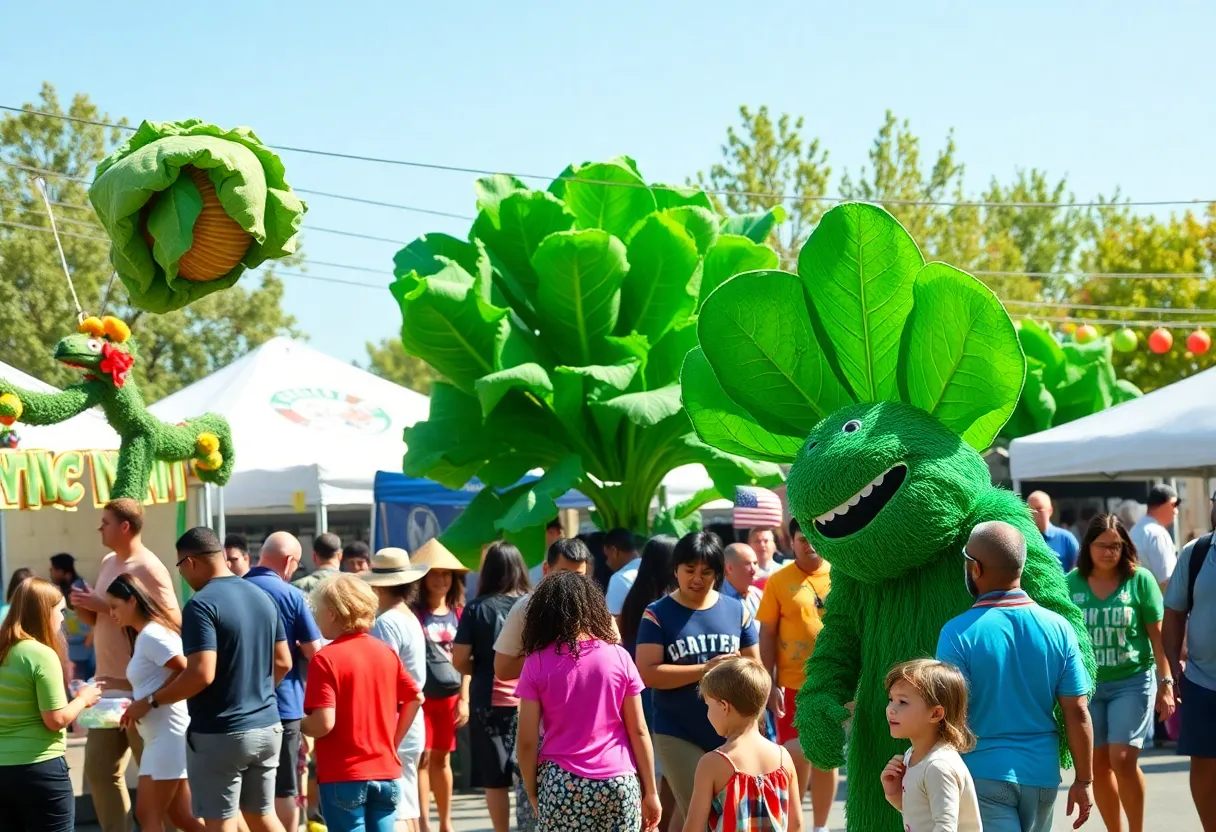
93, 344
851, 426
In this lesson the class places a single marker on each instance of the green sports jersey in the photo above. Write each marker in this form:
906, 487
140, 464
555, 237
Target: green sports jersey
1117, 624
31, 681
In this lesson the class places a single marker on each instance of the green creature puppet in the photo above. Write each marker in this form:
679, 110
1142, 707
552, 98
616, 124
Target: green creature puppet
880, 378
104, 351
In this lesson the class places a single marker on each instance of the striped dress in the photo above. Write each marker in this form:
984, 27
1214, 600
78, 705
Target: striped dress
751, 803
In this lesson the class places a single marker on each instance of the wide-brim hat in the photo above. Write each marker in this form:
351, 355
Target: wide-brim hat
437, 556
392, 567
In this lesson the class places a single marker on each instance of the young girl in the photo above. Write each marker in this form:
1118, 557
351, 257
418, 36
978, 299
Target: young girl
930, 784
156, 658
358, 704
749, 783
583, 686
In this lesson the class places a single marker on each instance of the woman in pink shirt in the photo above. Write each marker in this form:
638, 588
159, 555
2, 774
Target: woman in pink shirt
595, 770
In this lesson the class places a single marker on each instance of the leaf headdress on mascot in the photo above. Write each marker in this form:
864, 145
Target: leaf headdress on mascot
879, 378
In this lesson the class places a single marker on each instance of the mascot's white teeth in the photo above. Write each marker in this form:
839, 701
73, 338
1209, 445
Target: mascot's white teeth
844, 507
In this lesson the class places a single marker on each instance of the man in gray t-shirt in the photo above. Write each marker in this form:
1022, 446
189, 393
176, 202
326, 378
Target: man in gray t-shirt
1196, 617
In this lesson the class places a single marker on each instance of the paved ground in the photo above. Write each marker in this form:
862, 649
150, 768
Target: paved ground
1169, 802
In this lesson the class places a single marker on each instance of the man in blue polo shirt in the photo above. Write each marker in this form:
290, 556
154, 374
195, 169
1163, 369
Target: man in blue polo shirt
279, 558
1020, 660
1061, 541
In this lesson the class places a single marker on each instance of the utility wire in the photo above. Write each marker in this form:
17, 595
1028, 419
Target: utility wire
714, 191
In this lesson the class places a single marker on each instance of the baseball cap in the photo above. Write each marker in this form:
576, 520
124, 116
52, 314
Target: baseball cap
1161, 494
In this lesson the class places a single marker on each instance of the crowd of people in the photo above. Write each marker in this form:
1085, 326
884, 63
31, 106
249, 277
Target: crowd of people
650, 688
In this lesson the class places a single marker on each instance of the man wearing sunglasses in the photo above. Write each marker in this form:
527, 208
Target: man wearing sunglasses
1020, 660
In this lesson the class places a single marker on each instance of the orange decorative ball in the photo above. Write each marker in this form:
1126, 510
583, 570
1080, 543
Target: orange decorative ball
1160, 341
1199, 342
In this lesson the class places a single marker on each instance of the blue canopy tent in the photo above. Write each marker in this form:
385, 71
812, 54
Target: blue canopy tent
408, 512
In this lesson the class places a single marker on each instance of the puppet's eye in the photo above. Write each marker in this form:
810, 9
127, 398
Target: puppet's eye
810, 446
93, 344
851, 426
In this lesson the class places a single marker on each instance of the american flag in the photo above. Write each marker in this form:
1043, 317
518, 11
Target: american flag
755, 507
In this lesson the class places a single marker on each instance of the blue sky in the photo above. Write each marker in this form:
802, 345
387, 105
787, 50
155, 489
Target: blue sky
1109, 93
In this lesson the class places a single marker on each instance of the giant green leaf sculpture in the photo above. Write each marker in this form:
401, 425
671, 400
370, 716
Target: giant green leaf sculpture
560, 327
880, 378
1064, 381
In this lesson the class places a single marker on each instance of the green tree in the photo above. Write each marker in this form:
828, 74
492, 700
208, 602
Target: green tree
389, 360
764, 159
1123, 241
35, 301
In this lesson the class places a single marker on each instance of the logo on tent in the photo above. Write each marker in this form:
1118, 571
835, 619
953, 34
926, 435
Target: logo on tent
328, 410
421, 526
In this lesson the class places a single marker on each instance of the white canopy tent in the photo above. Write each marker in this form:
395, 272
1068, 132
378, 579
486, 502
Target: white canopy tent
302, 421
87, 432
1170, 432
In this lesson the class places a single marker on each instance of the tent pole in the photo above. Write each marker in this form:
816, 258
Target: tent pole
371, 529
221, 528
1174, 527
1017, 487
322, 518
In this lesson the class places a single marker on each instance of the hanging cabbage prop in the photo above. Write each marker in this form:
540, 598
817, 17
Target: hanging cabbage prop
189, 207
560, 327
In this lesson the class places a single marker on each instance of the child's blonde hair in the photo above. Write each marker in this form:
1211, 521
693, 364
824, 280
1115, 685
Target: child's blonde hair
740, 682
939, 684
353, 602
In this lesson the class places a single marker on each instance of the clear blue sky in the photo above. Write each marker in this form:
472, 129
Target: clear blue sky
1109, 93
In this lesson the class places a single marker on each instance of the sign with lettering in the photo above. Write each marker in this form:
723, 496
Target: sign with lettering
33, 479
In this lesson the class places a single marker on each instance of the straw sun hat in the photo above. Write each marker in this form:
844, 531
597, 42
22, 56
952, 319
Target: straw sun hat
392, 567
437, 556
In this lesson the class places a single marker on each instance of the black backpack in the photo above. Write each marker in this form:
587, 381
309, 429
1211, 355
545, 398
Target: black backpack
1199, 554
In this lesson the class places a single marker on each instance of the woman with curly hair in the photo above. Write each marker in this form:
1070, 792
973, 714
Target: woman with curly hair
596, 770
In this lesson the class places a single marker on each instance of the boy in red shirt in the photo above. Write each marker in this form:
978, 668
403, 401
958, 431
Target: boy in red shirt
358, 704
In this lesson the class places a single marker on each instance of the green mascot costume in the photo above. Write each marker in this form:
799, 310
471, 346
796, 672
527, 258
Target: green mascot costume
879, 378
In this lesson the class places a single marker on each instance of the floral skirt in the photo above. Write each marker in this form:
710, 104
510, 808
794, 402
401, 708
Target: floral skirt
568, 802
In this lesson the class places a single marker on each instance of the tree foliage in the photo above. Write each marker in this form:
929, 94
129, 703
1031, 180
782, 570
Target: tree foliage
389, 360
560, 327
1035, 257
35, 301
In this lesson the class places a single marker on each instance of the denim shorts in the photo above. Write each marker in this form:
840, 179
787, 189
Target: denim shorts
1122, 711
1010, 807
364, 805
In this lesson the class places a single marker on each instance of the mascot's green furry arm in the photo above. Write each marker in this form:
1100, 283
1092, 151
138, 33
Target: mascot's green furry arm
104, 351
880, 378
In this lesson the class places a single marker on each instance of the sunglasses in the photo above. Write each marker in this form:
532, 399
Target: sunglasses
195, 555
968, 557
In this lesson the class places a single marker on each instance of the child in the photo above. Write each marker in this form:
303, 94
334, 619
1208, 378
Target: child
930, 784
358, 704
749, 783
583, 686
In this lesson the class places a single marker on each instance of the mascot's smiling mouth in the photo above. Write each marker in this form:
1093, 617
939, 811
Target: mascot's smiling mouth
856, 513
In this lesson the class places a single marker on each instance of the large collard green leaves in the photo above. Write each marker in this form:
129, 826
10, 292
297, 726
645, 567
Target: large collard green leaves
859, 266
561, 326
864, 320
962, 362
757, 333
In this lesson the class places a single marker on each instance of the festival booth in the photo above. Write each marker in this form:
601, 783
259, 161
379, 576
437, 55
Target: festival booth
408, 512
1164, 435
312, 431
71, 467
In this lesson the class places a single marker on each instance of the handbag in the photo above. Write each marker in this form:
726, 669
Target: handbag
442, 677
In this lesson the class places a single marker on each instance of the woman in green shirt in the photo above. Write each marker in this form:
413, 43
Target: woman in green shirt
35, 789
1123, 611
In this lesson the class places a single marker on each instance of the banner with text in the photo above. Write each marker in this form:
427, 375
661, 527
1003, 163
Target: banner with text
33, 479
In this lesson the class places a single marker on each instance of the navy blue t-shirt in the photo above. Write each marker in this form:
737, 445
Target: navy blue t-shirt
300, 628
241, 625
692, 637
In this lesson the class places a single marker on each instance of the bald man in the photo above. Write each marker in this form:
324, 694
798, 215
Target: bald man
742, 568
1020, 660
1061, 541
279, 559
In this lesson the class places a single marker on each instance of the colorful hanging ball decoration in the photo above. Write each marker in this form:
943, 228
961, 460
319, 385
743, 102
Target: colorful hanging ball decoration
1125, 340
1069, 328
1160, 341
1199, 342
1085, 333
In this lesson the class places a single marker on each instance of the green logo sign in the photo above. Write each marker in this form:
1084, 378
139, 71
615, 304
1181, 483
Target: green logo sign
329, 410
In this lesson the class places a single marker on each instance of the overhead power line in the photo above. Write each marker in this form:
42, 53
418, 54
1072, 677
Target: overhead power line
714, 191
